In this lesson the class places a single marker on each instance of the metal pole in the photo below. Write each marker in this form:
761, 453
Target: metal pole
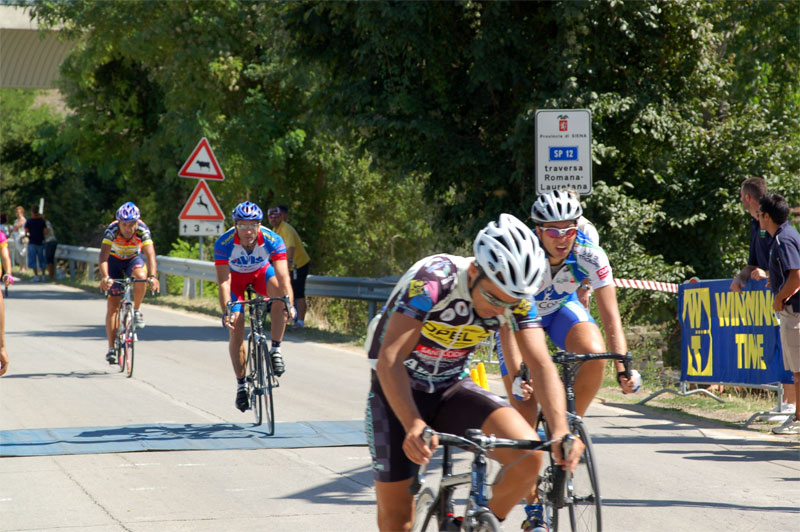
201, 258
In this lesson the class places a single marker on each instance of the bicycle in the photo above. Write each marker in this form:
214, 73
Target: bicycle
260, 378
126, 326
579, 491
435, 507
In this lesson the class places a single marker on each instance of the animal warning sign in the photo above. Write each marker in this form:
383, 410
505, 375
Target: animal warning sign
202, 205
202, 164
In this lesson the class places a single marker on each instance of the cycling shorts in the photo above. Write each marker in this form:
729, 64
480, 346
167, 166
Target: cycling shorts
122, 269
556, 324
465, 405
299, 282
240, 280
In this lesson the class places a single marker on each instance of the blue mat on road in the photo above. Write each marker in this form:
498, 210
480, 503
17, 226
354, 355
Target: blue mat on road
176, 437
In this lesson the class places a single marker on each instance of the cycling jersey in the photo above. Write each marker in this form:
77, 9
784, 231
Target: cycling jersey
435, 291
586, 260
127, 249
3, 240
229, 250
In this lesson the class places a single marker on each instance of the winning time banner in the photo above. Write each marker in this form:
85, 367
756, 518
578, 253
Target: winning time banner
729, 337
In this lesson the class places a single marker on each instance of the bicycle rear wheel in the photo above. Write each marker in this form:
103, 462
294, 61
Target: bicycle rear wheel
128, 340
254, 378
426, 512
269, 376
584, 504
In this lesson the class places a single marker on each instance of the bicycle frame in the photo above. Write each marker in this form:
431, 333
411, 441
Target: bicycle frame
126, 330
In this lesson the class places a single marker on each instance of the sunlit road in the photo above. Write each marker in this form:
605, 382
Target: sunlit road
655, 474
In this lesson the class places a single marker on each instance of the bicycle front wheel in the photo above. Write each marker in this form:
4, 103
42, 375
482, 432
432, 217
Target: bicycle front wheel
129, 339
426, 514
582, 490
269, 405
254, 378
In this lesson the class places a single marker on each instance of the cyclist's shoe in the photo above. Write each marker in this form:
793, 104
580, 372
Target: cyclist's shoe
111, 356
277, 361
535, 521
242, 401
138, 319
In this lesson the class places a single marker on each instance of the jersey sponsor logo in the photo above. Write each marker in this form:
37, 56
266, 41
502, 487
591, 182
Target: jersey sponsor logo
603, 272
416, 288
523, 308
454, 336
247, 260
429, 352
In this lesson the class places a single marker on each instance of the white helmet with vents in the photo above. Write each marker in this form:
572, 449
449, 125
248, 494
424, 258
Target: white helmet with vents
556, 206
509, 254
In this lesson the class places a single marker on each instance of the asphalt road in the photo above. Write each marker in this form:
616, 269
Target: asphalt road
656, 474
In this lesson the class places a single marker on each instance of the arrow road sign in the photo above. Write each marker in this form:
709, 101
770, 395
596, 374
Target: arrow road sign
202, 164
202, 205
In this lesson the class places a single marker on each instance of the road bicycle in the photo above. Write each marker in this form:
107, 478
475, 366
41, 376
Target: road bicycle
126, 325
434, 507
260, 378
577, 492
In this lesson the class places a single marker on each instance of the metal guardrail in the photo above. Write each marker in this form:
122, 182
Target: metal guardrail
374, 291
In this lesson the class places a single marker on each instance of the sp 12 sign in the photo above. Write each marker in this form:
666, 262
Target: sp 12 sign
564, 150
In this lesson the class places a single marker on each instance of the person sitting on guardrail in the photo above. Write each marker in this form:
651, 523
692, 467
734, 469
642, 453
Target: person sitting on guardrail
419, 347
250, 254
784, 281
572, 258
127, 251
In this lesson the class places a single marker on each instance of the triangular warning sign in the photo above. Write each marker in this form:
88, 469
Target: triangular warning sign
202, 205
202, 164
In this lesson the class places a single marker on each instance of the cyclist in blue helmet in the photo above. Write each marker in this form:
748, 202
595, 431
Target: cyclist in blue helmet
127, 251
250, 254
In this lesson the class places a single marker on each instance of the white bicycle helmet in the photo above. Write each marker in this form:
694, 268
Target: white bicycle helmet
509, 254
556, 206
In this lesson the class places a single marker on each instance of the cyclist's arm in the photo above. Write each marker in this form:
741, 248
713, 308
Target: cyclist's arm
102, 264
402, 334
612, 324
549, 389
152, 266
282, 273
6, 258
224, 282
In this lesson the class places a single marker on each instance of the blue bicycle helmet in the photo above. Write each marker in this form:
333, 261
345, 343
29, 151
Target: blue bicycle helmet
128, 212
247, 210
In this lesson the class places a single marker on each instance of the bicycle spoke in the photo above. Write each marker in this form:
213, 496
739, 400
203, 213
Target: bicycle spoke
584, 501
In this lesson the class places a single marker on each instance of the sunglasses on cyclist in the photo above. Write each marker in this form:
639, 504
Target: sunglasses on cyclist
554, 232
495, 301
247, 227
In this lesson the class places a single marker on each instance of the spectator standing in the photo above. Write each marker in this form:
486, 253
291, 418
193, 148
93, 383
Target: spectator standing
34, 230
750, 193
4, 227
50, 245
298, 259
784, 280
18, 239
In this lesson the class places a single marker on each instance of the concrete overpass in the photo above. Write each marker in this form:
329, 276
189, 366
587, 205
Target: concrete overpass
29, 56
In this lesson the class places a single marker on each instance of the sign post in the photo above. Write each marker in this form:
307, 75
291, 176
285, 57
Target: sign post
201, 215
564, 150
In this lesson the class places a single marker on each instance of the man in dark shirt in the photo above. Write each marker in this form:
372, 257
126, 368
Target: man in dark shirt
750, 194
784, 280
34, 229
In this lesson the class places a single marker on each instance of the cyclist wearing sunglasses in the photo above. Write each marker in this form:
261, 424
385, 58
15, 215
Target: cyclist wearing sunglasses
249, 254
419, 347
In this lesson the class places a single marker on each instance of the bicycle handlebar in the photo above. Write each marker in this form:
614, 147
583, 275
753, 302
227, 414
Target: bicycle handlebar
477, 442
564, 357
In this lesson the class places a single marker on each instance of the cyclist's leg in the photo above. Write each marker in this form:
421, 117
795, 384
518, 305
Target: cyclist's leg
277, 313
236, 348
112, 318
137, 268
573, 328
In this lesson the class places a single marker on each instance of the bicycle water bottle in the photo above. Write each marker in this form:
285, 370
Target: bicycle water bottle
636, 377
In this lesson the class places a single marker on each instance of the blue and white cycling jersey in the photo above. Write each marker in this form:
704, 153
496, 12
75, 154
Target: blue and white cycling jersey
228, 250
586, 260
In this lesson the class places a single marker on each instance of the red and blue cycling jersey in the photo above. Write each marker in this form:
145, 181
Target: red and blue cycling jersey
249, 267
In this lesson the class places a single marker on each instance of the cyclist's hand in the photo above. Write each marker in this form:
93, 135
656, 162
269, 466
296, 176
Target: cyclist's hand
8, 279
106, 284
575, 452
737, 284
415, 447
228, 320
625, 381
293, 313
3, 360
155, 285
521, 390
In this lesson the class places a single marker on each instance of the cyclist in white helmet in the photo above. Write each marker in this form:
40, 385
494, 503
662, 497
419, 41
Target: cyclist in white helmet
419, 347
572, 258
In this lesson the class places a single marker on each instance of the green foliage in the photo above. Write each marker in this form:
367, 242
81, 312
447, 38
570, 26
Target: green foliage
184, 250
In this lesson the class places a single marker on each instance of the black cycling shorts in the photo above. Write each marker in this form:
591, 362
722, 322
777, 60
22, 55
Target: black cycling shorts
299, 283
465, 405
